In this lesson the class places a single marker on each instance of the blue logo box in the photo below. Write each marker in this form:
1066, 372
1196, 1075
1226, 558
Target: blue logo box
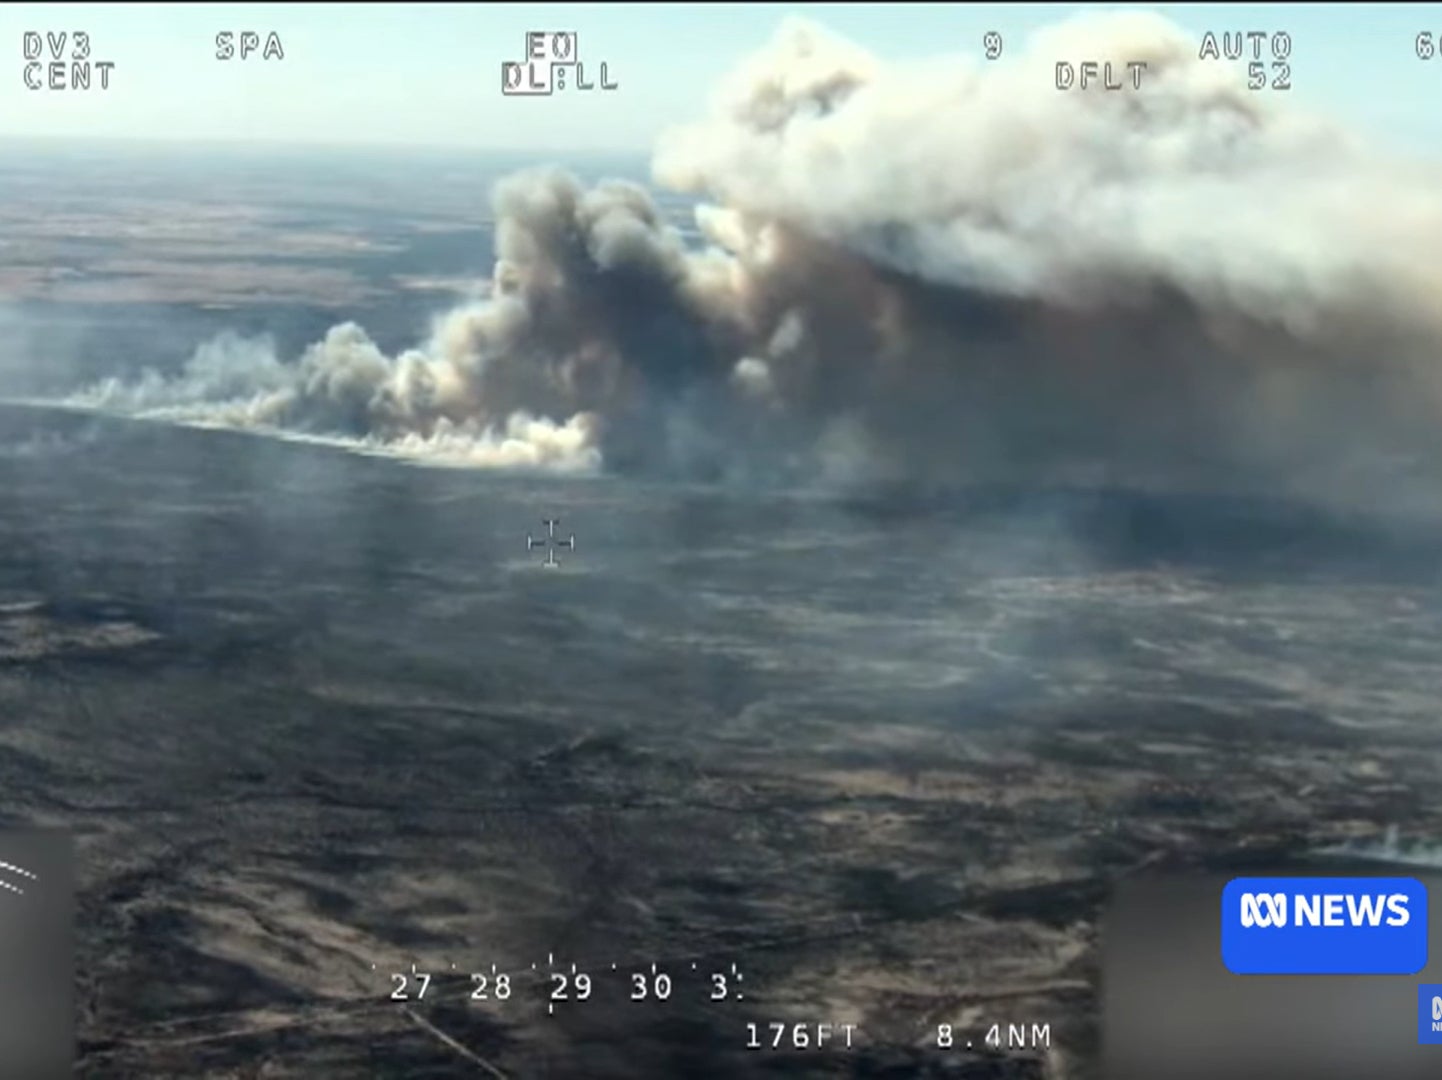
1429, 1014
1324, 926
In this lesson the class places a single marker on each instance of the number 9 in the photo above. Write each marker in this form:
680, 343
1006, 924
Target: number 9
1425, 48
991, 42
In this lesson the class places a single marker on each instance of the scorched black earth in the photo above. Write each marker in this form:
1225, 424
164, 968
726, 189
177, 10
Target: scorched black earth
317, 717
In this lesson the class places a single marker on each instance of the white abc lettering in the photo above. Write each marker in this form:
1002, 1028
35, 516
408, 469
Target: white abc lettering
1332, 905
1357, 910
1366, 910
1264, 909
1397, 905
1350, 909
1308, 910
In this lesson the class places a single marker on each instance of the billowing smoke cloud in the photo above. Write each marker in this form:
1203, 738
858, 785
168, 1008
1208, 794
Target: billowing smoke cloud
927, 274
344, 388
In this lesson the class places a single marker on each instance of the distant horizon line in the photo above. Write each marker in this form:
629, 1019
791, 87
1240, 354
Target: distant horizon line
175, 142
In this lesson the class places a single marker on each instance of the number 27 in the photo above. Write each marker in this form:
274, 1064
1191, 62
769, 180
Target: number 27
399, 993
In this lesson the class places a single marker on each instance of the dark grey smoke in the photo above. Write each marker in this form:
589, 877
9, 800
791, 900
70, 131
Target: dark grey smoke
928, 275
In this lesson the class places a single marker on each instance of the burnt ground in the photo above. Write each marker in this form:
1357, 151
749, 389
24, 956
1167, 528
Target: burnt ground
315, 718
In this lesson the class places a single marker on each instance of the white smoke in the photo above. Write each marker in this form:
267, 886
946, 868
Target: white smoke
339, 391
992, 179
914, 272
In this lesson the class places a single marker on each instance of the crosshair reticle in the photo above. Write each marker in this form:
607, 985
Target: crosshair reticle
550, 542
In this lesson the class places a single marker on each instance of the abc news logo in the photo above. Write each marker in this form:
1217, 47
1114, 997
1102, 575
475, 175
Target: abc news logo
1429, 1014
1324, 926
1277, 910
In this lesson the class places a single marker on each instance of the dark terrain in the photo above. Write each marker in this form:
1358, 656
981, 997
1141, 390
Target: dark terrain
316, 717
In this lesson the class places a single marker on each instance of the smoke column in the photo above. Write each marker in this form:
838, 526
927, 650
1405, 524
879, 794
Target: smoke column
925, 275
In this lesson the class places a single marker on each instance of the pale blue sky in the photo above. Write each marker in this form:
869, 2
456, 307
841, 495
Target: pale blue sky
429, 73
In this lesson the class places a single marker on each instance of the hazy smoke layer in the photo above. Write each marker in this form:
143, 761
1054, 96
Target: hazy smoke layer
927, 274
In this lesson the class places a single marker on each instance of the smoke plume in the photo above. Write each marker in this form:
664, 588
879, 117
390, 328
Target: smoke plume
925, 273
